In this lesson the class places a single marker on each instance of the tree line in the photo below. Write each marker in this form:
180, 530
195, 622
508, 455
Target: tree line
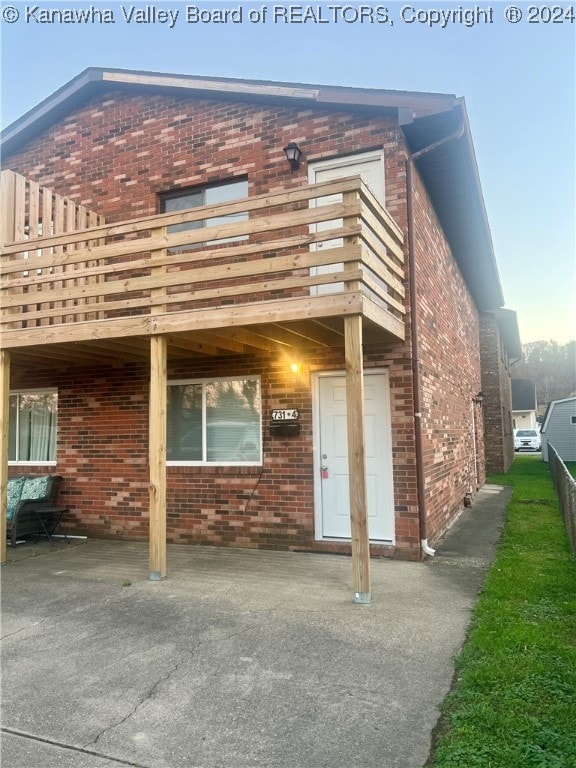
552, 366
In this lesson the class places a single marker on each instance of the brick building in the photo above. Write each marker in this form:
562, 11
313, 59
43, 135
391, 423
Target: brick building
500, 348
213, 382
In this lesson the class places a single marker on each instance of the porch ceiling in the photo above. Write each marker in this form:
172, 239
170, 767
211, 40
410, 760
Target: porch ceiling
267, 338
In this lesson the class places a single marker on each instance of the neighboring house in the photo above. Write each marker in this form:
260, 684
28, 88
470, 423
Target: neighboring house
524, 404
559, 429
239, 351
500, 348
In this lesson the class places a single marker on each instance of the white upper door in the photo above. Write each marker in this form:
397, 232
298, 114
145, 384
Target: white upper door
368, 165
332, 488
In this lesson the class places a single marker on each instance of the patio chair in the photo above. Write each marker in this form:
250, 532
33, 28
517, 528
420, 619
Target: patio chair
31, 506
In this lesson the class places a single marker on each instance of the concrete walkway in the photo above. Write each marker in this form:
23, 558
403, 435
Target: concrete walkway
239, 659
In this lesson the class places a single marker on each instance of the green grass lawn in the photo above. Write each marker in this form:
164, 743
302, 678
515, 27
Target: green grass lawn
513, 704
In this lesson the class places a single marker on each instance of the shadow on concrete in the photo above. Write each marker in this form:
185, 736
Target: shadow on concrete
239, 659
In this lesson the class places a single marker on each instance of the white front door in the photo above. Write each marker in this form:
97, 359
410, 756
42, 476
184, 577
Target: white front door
368, 165
331, 458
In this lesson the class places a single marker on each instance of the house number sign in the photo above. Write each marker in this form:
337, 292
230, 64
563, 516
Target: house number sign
289, 414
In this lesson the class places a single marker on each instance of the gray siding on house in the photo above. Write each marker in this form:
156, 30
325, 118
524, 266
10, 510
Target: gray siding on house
559, 429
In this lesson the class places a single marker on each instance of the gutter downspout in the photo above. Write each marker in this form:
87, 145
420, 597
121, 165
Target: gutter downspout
474, 450
412, 287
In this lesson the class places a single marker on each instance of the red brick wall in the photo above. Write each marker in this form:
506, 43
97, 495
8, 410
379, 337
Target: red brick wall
101, 446
115, 155
448, 332
497, 389
102, 454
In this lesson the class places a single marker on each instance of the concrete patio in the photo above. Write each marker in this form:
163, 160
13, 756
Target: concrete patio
239, 659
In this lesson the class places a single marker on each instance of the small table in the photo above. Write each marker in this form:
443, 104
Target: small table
49, 519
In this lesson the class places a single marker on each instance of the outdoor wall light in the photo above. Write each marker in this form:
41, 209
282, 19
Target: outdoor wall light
479, 399
295, 367
293, 154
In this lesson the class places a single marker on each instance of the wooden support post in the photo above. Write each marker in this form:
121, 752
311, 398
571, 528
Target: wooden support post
7, 233
157, 452
4, 415
8, 206
356, 459
157, 431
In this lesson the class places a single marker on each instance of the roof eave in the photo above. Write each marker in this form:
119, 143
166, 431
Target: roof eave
549, 409
49, 110
450, 173
94, 79
507, 321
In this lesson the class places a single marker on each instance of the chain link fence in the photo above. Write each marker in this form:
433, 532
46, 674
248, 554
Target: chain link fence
565, 486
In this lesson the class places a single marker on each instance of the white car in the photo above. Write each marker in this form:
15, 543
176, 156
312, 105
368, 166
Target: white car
527, 440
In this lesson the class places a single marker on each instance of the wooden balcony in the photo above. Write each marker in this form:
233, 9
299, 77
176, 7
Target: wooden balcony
297, 262
318, 266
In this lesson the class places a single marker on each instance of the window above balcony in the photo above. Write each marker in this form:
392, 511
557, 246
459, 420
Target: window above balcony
225, 192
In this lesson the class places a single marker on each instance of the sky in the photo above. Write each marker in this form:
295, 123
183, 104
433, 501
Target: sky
513, 63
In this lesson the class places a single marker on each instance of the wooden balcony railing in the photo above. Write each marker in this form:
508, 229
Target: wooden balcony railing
324, 250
